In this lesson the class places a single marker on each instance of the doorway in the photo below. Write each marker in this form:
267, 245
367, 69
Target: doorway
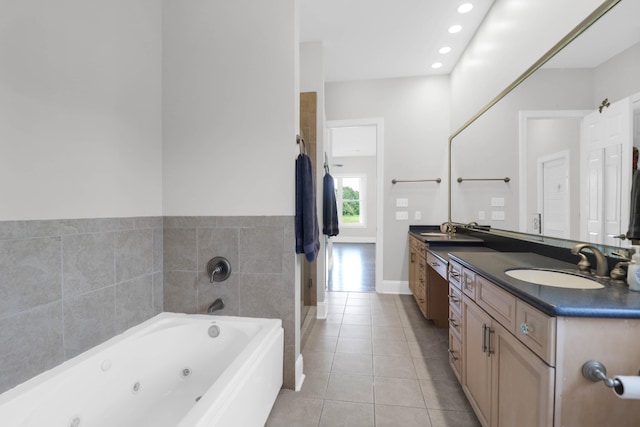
353, 268
354, 257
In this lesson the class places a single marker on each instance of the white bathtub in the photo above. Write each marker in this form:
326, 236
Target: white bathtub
166, 372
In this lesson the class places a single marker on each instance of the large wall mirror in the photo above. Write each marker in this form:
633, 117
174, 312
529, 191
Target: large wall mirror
564, 138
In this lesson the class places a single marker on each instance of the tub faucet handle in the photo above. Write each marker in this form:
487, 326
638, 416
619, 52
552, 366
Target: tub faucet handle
218, 269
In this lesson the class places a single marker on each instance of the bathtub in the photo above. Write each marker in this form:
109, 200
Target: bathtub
172, 370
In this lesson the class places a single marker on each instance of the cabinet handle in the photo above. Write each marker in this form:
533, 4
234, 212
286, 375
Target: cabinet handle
454, 274
454, 299
413, 257
434, 264
486, 339
453, 323
452, 354
525, 328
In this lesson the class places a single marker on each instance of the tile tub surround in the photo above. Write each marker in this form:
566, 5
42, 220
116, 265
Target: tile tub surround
375, 361
67, 285
261, 252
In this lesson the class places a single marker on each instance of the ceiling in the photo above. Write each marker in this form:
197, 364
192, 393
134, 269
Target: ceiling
373, 39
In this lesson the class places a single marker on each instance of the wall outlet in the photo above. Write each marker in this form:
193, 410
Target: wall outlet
480, 215
497, 201
497, 215
417, 215
402, 203
402, 215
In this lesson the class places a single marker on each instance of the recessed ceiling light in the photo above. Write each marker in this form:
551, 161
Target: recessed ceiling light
445, 49
465, 7
455, 29
436, 65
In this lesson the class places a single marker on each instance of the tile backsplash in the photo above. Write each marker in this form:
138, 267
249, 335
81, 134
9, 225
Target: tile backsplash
68, 285
262, 257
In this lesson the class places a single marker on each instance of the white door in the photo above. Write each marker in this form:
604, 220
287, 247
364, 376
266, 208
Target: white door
606, 153
553, 197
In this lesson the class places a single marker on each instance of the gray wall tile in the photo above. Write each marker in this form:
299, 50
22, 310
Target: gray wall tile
88, 262
260, 250
158, 250
89, 320
180, 294
30, 274
180, 249
30, 343
13, 230
134, 302
158, 292
134, 254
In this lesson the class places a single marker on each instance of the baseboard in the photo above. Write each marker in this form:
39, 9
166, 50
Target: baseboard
394, 287
322, 310
347, 239
299, 374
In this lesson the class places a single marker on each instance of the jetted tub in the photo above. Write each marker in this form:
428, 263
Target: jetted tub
174, 370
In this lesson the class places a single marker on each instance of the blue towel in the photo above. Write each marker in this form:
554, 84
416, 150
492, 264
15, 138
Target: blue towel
307, 232
634, 215
329, 208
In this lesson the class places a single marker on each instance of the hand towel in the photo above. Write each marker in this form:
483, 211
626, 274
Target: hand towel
307, 231
634, 214
329, 208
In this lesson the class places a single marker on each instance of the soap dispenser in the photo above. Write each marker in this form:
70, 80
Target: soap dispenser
633, 273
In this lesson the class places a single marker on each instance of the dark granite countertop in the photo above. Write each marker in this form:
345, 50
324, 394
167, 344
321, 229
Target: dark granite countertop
432, 235
615, 300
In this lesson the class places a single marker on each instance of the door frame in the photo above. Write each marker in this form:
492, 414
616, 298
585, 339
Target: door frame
378, 122
523, 118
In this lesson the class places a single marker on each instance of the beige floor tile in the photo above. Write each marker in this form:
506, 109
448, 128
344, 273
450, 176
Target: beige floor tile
355, 364
390, 348
356, 331
350, 388
433, 369
354, 346
317, 361
356, 319
399, 416
357, 309
394, 367
444, 395
347, 414
292, 409
397, 392
321, 343
314, 385
452, 419
394, 333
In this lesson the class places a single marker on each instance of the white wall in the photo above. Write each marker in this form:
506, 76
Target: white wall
513, 35
230, 107
80, 109
416, 127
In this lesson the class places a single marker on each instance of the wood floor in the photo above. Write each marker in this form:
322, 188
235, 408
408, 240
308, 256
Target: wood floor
354, 268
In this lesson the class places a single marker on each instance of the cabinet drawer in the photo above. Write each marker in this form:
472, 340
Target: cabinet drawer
468, 283
455, 355
455, 299
498, 303
537, 331
455, 323
455, 273
437, 264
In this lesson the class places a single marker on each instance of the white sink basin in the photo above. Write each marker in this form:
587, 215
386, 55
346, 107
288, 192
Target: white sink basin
558, 279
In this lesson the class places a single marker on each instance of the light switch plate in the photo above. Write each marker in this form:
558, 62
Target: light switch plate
497, 201
402, 215
417, 215
480, 215
497, 215
402, 203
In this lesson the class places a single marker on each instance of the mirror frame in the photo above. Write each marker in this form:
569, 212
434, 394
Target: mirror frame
573, 34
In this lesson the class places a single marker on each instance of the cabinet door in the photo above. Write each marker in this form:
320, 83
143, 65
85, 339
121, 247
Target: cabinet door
476, 360
522, 384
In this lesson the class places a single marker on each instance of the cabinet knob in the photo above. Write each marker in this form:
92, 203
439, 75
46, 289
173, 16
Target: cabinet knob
434, 264
454, 299
453, 323
525, 328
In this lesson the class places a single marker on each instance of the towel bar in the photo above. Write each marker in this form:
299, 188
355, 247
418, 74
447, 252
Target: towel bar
395, 181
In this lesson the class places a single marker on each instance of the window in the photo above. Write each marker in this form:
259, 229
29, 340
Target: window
350, 198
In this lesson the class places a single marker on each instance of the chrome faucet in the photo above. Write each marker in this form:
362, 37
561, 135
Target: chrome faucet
602, 267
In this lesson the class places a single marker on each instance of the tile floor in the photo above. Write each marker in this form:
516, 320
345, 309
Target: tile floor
375, 361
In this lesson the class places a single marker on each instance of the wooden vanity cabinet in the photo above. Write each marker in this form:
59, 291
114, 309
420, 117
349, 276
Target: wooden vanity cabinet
505, 382
428, 283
